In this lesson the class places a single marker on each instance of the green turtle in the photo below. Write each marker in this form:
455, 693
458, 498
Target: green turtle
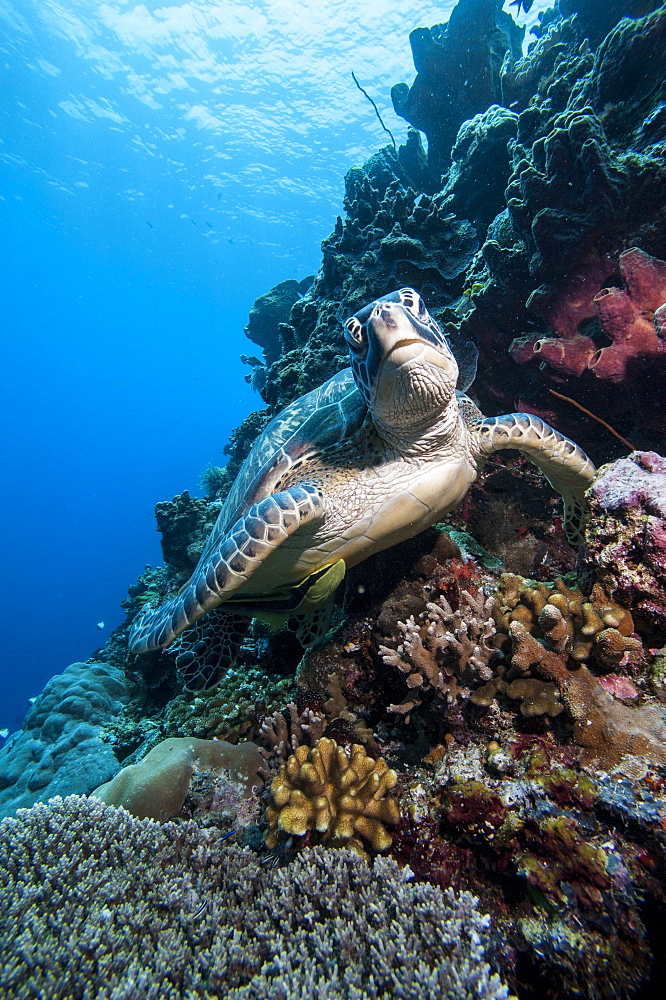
373, 456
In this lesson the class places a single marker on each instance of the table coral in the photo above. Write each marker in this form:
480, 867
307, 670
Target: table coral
626, 538
340, 795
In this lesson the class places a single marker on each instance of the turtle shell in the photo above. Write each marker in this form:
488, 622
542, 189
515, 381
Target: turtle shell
331, 413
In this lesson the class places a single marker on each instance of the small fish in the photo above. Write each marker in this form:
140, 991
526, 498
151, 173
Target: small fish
522, 5
149, 224
4, 733
101, 625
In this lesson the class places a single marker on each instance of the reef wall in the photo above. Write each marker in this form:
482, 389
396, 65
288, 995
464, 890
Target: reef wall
488, 705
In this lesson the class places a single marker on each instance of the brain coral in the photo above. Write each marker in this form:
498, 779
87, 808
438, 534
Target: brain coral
60, 749
96, 903
338, 793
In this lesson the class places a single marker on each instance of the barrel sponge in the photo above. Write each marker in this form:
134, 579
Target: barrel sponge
338, 794
156, 787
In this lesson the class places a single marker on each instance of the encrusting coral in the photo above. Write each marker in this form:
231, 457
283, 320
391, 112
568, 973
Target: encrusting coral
338, 795
96, 903
607, 730
449, 651
156, 788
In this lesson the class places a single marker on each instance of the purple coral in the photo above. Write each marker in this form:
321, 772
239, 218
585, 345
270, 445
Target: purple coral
626, 538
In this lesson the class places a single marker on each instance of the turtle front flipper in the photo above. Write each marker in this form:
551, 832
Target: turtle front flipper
224, 569
566, 466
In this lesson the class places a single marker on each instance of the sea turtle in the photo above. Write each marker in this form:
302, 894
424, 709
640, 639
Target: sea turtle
377, 453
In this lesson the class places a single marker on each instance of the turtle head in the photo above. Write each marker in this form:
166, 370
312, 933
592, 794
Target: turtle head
401, 361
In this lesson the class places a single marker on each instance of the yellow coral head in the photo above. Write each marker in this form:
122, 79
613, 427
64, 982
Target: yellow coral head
338, 794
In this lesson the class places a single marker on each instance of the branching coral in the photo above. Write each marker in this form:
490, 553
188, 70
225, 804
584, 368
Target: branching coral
286, 731
597, 628
450, 651
96, 903
340, 795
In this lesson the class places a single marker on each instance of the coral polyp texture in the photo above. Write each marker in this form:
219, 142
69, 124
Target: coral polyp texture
97, 903
566, 621
336, 794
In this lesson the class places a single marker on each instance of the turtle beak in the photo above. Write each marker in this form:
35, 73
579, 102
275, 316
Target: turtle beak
395, 341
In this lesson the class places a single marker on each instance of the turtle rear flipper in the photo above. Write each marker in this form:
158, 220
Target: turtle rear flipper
205, 653
566, 466
230, 564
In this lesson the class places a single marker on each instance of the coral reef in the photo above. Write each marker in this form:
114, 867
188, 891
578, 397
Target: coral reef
184, 523
335, 795
450, 651
156, 787
62, 747
529, 765
607, 730
626, 538
268, 311
594, 628
96, 902
554, 854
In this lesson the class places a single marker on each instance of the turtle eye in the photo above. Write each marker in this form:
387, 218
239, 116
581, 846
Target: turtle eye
354, 332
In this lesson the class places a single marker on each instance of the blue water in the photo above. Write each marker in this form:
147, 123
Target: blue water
161, 165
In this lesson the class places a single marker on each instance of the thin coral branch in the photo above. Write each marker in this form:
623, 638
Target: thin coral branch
589, 413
